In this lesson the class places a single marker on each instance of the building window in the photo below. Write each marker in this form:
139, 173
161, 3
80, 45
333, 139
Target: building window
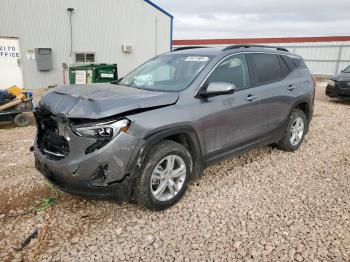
85, 57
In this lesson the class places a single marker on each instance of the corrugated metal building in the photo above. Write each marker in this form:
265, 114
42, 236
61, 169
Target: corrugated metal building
324, 56
99, 29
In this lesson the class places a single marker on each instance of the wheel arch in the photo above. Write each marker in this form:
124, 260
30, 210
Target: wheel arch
184, 135
304, 106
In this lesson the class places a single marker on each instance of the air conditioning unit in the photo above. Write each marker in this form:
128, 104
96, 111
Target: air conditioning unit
127, 48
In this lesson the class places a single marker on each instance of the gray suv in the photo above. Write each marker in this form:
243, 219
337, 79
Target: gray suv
146, 136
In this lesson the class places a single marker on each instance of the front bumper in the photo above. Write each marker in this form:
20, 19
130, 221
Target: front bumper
338, 91
102, 174
119, 192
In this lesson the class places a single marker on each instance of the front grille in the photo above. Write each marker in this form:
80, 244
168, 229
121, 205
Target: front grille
51, 143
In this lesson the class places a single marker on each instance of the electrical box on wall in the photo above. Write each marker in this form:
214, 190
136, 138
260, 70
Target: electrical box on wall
43, 59
127, 48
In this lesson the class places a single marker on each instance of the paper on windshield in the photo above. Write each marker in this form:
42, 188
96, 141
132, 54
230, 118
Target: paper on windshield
143, 80
197, 59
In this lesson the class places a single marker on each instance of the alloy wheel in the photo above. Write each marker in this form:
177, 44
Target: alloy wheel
168, 178
297, 131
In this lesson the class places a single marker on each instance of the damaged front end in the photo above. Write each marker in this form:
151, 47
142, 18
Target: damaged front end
85, 157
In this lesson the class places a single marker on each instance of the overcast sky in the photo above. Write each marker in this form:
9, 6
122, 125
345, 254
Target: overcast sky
257, 18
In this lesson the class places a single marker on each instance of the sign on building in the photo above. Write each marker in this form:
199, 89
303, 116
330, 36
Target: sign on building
10, 63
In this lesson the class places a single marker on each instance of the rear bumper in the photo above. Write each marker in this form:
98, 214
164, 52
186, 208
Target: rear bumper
338, 92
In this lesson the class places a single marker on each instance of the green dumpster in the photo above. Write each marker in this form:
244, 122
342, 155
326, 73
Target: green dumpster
94, 73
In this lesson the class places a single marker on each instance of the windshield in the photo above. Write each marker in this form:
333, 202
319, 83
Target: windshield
166, 72
347, 70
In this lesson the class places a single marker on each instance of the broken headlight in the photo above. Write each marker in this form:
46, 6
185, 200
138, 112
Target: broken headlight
102, 130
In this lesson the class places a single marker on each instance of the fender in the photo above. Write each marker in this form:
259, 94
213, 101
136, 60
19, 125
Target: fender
134, 165
304, 100
310, 105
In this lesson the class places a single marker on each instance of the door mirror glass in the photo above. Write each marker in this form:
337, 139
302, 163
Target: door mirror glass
218, 88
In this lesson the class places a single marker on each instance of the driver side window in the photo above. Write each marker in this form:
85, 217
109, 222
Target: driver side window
233, 70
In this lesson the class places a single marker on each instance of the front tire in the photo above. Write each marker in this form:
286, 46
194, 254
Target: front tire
164, 175
295, 132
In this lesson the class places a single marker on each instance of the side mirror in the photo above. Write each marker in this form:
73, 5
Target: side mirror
218, 88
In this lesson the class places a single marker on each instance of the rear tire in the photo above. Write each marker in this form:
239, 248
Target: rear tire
21, 120
158, 187
295, 132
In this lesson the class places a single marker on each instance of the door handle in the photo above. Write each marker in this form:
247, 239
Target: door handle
291, 87
251, 98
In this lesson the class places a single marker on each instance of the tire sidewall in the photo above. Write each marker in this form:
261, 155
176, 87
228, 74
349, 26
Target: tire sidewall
25, 122
150, 164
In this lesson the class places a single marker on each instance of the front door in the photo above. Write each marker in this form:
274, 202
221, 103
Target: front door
231, 122
10, 66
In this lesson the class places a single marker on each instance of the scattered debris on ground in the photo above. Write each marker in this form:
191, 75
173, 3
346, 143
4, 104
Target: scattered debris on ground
27, 240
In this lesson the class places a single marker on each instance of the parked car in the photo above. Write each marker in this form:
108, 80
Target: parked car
147, 135
339, 85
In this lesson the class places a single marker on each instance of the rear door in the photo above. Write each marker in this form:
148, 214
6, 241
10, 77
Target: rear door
275, 88
10, 67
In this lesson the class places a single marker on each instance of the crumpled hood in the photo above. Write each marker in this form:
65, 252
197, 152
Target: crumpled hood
102, 100
342, 77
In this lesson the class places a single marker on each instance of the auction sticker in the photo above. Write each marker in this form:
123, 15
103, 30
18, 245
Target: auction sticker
197, 59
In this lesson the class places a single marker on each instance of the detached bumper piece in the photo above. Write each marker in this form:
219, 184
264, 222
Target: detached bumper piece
339, 90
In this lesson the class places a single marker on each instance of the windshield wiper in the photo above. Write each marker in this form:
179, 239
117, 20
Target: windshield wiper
143, 85
116, 82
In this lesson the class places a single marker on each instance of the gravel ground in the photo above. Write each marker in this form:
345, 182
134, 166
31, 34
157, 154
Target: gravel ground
266, 205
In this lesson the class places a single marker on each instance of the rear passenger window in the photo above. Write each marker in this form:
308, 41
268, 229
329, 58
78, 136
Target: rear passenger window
267, 68
233, 70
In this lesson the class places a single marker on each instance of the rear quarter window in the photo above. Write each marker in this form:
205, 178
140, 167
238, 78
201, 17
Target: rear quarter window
284, 67
293, 62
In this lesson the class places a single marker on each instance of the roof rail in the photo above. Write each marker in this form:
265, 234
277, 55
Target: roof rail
249, 46
188, 47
